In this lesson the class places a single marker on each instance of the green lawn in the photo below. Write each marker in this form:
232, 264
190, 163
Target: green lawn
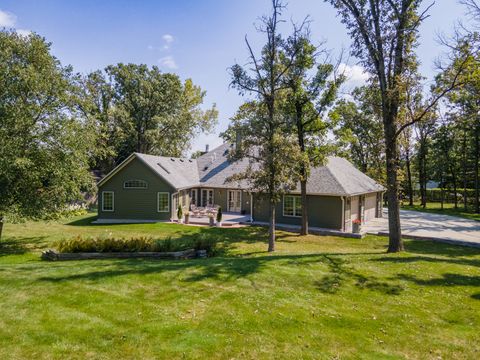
316, 297
448, 209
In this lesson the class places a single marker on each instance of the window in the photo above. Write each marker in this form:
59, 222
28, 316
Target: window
135, 184
193, 197
108, 201
163, 202
292, 206
207, 197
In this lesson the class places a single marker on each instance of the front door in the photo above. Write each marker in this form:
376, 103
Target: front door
234, 201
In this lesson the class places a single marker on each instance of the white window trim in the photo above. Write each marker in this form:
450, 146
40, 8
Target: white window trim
103, 201
158, 202
196, 197
283, 206
138, 188
241, 199
213, 197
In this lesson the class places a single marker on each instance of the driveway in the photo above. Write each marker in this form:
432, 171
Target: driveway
431, 226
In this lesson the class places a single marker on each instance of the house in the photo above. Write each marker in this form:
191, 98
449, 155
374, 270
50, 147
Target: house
146, 187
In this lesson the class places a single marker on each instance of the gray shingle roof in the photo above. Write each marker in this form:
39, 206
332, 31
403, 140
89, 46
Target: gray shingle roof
337, 177
179, 172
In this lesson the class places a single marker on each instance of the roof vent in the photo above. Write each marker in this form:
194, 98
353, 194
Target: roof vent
172, 159
181, 160
190, 160
163, 168
205, 168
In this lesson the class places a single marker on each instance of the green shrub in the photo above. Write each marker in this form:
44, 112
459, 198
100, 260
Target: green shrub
79, 244
205, 242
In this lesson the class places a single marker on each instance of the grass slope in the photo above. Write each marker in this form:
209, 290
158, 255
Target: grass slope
316, 297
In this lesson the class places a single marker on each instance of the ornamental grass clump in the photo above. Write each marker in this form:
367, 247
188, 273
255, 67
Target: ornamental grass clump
79, 244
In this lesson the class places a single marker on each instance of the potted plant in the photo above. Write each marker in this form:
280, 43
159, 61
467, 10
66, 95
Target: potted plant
219, 217
187, 217
180, 214
211, 219
357, 226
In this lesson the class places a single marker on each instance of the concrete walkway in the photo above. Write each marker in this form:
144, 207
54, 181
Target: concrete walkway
429, 226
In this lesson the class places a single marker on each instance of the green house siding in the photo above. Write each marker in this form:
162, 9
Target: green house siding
323, 212
135, 204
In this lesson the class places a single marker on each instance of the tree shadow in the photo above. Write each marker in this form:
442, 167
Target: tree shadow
446, 280
414, 259
436, 248
84, 221
18, 246
342, 274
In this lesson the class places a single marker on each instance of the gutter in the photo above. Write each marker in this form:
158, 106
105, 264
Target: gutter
343, 213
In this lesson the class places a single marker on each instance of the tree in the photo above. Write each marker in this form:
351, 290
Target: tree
357, 126
272, 155
384, 37
141, 109
307, 99
43, 146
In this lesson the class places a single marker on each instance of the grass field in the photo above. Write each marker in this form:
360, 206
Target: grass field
448, 209
316, 297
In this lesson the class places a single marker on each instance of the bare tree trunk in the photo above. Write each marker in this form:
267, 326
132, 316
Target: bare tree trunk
303, 188
395, 232
271, 230
477, 155
464, 165
1, 226
409, 179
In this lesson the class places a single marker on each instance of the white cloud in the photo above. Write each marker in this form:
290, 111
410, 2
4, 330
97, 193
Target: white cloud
167, 38
23, 32
150, 47
7, 19
168, 62
356, 74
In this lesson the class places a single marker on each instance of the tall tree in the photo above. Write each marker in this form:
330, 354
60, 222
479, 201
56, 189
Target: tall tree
141, 109
384, 37
262, 125
307, 99
357, 126
43, 146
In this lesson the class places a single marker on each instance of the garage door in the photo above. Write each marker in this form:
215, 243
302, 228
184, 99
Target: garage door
370, 206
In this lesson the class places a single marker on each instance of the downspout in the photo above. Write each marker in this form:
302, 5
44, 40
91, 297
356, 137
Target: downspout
251, 207
343, 213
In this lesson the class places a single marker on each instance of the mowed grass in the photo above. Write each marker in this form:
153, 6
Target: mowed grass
316, 297
448, 209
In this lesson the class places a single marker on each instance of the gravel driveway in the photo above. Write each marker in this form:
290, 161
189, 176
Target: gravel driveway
431, 226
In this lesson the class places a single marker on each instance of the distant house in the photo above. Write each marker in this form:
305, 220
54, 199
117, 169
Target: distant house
146, 187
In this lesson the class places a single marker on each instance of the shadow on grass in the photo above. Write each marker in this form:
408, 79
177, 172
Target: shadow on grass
18, 246
437, 248
234, 267
341, 273
85, 221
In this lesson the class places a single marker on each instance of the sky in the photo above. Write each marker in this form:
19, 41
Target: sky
195, 39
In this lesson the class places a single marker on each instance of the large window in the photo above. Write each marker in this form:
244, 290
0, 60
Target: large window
292, 206
108, 201
193, 197
207, 197
163, 202
135, 184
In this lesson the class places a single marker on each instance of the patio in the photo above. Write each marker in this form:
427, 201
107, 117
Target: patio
228, 219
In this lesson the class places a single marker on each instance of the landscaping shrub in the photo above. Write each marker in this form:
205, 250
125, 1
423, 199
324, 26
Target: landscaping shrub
137, 244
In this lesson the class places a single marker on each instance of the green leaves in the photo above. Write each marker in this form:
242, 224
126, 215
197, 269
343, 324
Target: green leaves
43, 148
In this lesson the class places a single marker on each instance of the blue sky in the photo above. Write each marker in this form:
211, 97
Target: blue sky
196, 39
